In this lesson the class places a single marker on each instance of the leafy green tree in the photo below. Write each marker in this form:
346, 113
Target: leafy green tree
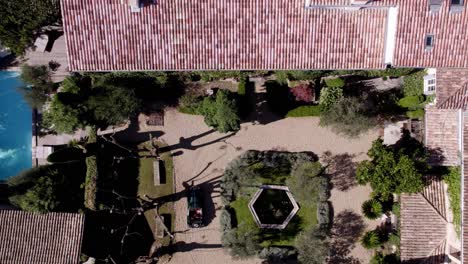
39, 84
64, 117
21, 20
349, 116
330, 96
113, 105
220, 113
226, 113
42, 197
371, 239
312, 247
392, 170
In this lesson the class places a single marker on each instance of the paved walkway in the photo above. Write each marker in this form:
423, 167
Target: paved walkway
200, 155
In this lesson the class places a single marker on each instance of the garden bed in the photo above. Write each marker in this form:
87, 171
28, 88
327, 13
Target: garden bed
240, 183
146, 185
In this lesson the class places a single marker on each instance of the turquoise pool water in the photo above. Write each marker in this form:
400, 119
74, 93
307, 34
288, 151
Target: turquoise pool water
15, 127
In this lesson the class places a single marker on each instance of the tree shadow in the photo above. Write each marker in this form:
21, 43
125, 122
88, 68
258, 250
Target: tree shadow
342, 170
187, 143
132, 133
264, 104
346, 231
182, 246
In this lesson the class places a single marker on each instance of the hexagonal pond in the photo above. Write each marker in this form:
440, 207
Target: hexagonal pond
273, 206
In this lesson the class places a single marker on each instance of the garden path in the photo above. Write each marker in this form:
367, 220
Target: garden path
200, 156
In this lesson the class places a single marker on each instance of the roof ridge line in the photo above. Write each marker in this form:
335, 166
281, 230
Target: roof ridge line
432, 251
435, 209
463, 86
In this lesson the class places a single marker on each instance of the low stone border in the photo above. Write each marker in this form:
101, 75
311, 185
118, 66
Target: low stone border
290, 216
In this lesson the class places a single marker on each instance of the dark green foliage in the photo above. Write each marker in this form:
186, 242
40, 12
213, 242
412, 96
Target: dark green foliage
348, 117
413, 85
113, 105
242, 88
396, 209
88, 100
415, 114
283, 76
372, 209
394, 169
394, 239
410, 102
21, 20
453, 179
68, 154
276, 254
324, 215
312, 247
240, 245
278, 97
209, 76
371, 240
92, 175
245, 88
305, 181
221, 113
329, 96
379, 258
189, 104
48, 188
335, 82
226, 220
39, 84
391, 72
305, 110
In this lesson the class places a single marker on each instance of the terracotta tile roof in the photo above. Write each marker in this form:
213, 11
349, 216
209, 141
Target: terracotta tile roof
209, 34
441, 135
457, 100
53, 238
423, 229
448, 82
449, 30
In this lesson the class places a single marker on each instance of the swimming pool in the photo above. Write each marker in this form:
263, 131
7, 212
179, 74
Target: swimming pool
15, 127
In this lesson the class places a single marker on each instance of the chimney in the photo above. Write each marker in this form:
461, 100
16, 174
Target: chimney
135, 5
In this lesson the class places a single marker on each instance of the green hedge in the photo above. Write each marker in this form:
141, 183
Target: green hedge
415, 114
335, 82
307, 110
90, 195
453, 180
68, 154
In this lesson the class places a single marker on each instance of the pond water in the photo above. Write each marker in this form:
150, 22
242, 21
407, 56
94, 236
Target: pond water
15, 127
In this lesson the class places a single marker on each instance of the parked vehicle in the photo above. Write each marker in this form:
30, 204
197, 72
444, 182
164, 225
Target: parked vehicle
195, 207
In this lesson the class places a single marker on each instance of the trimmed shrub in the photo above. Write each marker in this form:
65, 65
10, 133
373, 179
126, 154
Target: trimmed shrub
396, 209
305, 110
225, 220
413, 85
276, 254
304, 182
240, 245
90, 201
189, 104
335, 82
372, 209
349, 117
68, 154
242, 87
329, 96
371, 240
303, 93
453, 180
410, 102
324, 215
416, 114
312, 246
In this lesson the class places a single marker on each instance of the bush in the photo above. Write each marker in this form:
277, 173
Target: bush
68, 154
240, 245
225, 220
304, 182
221, 113
379, 258
453, 180
335, 82
305, 110
276, 254
278, 97
372, 209
416, 114
39, 82
413, 85
348, 117
371, 240
312, 247
394, 239
324, 215
243, 91
189, 104
329, 96
410, 102
283, 76
90, 194
396, 209
242, 87
303, 93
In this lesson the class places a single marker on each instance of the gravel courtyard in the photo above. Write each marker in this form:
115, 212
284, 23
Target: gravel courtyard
201, 154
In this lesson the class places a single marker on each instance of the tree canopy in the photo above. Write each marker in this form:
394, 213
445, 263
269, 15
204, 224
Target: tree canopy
39, 84
21, 20
221, 112
393, 169
82, 103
